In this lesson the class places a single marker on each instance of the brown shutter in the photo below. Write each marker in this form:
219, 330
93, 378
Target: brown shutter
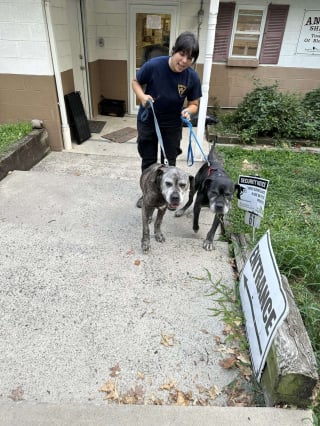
273, 33
223, 31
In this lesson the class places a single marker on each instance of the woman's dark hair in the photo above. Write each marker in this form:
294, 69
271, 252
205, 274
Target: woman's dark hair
188, 43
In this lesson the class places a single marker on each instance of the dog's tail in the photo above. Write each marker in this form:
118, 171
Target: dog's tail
211, 155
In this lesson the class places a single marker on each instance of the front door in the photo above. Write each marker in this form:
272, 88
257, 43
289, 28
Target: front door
79, 55
153, 32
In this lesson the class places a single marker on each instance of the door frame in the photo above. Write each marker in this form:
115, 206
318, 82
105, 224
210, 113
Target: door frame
78, 40
169, 9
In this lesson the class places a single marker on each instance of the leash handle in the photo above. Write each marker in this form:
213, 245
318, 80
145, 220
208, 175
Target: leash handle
190, 158
156, 124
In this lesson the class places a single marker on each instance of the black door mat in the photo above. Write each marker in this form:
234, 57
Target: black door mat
96, 126
122, 135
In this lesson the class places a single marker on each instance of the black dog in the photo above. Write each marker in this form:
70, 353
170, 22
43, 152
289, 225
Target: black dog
214, 190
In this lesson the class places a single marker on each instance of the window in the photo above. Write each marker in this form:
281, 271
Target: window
249, 33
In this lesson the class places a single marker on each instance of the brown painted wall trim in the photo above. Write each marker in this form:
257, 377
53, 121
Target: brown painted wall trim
25, 97
230, 84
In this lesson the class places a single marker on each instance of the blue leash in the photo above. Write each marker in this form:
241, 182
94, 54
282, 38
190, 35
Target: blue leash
144, 116
190, 156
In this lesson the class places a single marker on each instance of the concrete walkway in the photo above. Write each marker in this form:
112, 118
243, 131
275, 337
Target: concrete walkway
82, 309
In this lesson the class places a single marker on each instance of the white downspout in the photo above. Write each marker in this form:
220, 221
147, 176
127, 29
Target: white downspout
66, 136
212, 23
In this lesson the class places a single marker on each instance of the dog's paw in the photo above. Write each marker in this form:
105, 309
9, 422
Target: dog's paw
159, 237
145, 246
196, 228
179, 213
208, 245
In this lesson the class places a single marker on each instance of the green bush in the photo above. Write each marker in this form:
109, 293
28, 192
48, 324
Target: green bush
267, 112
311, 103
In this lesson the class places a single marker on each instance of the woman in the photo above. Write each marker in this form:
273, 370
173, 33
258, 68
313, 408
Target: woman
168, 82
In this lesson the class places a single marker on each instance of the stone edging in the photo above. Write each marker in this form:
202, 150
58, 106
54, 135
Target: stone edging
25, 153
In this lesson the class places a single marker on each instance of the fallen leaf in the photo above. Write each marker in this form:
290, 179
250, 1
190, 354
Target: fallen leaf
140, 375
167, 339
115, 371
110, 388
168, 386
17, 394
201, 389
204, 331
244, 358
213, 392
182, 398
228, 362
137, 262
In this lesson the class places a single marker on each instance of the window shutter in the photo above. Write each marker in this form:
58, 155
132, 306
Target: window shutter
273, 33
223, 31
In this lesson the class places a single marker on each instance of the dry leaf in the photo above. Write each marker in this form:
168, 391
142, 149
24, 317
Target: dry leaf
182, 399
228, 362
244, 358
17, 394
227, 329
213, 392
167, 339
140, 375
204, 331
168, 386
137, 262
115, 371
110, 388
201, 389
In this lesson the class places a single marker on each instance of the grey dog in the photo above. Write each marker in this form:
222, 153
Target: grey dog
215, 190
162, 187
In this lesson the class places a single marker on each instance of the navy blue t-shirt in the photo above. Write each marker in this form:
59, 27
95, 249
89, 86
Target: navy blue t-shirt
169, 90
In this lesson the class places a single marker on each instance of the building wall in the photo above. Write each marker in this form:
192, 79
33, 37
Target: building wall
27, 82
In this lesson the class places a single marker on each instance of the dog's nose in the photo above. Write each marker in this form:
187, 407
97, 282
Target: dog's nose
175, 198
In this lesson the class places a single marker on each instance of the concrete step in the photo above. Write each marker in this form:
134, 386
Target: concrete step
132, 415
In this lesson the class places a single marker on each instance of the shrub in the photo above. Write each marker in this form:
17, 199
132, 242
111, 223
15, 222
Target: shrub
267, 112
311, 103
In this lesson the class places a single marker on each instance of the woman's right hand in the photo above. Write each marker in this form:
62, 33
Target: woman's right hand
145, 99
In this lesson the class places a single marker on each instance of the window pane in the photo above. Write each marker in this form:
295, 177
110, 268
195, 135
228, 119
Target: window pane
249, 20
245, 45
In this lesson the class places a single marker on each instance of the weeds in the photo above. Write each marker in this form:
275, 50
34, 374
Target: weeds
9, 133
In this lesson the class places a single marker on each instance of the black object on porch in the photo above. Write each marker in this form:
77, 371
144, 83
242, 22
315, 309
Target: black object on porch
77, 118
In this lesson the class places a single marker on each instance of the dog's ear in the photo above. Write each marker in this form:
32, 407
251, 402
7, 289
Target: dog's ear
237, 189
158, 177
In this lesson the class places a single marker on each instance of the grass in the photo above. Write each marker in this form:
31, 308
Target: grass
9, 133
292, 215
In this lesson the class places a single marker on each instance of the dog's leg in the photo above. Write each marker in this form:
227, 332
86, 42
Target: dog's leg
208, 242
192, 191
157, 225
146, 214
196, 211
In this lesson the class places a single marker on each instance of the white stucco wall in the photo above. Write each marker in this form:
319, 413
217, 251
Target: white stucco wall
24, 45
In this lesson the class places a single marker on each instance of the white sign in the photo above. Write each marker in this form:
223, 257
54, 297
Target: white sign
309, 39
252, 220
263, 300
153, 22
252, 194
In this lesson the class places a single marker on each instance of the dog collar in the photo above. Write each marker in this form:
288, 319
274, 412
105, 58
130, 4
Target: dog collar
210, 170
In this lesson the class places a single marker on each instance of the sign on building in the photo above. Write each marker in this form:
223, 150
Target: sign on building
309, 39
263, 300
